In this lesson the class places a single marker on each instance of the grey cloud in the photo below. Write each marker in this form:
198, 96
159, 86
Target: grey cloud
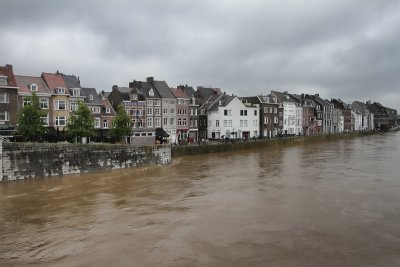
345, 49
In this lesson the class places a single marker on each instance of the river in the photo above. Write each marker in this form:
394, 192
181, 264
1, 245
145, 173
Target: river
324, 204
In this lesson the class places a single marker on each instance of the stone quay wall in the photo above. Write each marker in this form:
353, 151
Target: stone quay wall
217, 147
32, 160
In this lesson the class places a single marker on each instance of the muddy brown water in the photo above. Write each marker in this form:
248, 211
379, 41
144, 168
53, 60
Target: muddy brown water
324, 204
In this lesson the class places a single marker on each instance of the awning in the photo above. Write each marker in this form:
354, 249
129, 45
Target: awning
161, 133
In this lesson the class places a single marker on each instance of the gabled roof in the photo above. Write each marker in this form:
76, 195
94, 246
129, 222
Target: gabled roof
163, 89
53, 81
210, 100
149, 91
222, 101
24, 83
107, 104
71, 81
359, 105
189, 91
321, 101
296, 97
90, 91
268, 99
251, 99
7, 71
206, 92
179, 93
283, 97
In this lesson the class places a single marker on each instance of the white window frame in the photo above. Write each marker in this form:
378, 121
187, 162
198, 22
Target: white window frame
44, 103
4, 97
105, 124
59, 119
33, 87
108, 110
96, 122
6, 115
57, 104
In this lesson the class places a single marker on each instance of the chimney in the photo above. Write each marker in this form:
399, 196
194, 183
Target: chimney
150, 79
115, 87
317, 95
9, 66
79, 81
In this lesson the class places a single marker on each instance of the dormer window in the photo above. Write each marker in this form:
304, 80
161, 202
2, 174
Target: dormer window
108, 110
151, 92
33, 87
3, 80
76, 91
90, 97
60, 90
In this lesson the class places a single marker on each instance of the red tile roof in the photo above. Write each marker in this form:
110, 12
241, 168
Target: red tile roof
54, 81
24, 82
107, 104
7, 70
179, 93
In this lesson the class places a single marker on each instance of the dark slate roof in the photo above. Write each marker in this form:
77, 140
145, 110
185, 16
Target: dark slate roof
225, 100
251, 99
296, 97
359, 105
210, 100
189, 90
71, 81
321, 101
91, 91
282, 97
146, 88
163, 89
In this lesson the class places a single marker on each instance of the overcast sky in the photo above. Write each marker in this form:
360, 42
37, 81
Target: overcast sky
339, 48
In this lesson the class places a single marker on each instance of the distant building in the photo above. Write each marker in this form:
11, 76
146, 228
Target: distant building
8, 100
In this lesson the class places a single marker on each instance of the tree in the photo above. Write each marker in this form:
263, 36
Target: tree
30, 123
121, 124
81, 122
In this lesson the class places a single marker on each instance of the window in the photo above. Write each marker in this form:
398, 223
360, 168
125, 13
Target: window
73, 106
275, 110
157, 122
97, 122
44, 103
33, 87
184, 122
172, 102
157, 111
27, 101
149, 102
217, 123
4, 116
105, 124
191, 112
45, 120
61, 105
275, 119
179, 122
171, 121
108, 110
255, 123
76, 92
61, 121
90, 97
165, 110
95, 110
157, 103
4, 97
3, 80
195, 112
149, 111
255, 112
172, 111
243, 112
150, 122
165, 121
60, 90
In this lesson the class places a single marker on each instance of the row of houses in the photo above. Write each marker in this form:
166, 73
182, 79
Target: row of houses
183, 114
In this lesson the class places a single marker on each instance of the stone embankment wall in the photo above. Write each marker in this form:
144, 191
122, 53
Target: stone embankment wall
30, 160
178, 151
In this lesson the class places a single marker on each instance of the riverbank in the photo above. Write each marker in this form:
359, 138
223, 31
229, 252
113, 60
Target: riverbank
179, 151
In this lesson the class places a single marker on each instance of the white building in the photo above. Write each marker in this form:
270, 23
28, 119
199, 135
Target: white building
292, 113
228, 117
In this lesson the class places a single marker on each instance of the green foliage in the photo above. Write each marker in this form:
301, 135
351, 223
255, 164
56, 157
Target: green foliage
81, 122
30, 124
121, 124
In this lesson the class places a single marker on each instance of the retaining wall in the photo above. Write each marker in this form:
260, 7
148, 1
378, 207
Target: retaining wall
30, 160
